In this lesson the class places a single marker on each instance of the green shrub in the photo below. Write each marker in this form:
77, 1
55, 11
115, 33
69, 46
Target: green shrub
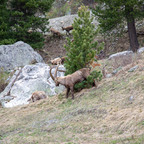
7, 41
94, 76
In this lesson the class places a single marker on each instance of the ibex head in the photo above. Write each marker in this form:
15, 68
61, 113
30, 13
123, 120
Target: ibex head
55, 78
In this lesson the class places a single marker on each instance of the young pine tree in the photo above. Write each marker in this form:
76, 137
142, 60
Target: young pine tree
82, 49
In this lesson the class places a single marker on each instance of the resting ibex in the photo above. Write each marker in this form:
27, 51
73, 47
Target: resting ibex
55, 32
68, 29
70, 80
37, 96
57, 61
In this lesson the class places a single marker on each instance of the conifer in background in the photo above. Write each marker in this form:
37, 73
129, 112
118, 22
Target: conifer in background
82, 49
28, 21
5, 35
113, 14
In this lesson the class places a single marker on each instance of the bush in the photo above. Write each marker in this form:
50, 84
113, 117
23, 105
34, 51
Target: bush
94, 76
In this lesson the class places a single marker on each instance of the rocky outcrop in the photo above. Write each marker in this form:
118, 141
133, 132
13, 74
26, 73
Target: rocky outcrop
120, 54
64, 21
27, 80
18, 54
140, 50
121, 58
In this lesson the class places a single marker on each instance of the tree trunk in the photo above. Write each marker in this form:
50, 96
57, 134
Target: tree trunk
134, 45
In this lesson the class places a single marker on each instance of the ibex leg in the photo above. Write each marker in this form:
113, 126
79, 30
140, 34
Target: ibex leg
72, 91
67, 92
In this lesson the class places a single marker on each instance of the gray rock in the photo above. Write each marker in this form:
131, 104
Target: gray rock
121, 59
124, 53
64, 21
18, 54
6, 98
108, 75
131, 98
140, 50
31, 78
133, 68
116, 70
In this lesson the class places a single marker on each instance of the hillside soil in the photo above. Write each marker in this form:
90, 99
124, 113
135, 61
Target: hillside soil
54, 46
112, 113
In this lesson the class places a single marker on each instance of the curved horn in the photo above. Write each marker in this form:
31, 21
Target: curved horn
61, 70
51, 74
56, 71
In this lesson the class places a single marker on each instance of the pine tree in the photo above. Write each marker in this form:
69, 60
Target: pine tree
5, 32
26, 25
112, 13
82, 49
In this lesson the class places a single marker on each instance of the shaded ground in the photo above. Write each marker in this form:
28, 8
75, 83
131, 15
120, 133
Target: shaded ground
53, 48
113, 113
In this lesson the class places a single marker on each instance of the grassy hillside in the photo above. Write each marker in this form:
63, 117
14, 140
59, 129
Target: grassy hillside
113, 113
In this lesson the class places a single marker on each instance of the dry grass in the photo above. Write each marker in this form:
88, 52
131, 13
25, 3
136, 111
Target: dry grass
3, 78
113, 113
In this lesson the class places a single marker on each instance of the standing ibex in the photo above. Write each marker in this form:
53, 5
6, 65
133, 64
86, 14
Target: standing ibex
68, 29
70, 80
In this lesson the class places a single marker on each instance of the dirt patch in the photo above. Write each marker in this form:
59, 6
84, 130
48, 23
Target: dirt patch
53, 48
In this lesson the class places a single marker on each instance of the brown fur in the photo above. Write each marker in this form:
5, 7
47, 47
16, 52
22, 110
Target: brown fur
55, 32
68, 29
57, 61
70, 80
63, 59
37, 96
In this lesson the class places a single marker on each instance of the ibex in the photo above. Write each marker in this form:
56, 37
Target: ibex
57, 61
55, 32
68, 29
70, 80
37, 96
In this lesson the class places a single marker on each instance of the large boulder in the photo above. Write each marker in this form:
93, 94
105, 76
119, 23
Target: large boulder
64, 21
121, 58
27, 80
18, 54
140, 50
